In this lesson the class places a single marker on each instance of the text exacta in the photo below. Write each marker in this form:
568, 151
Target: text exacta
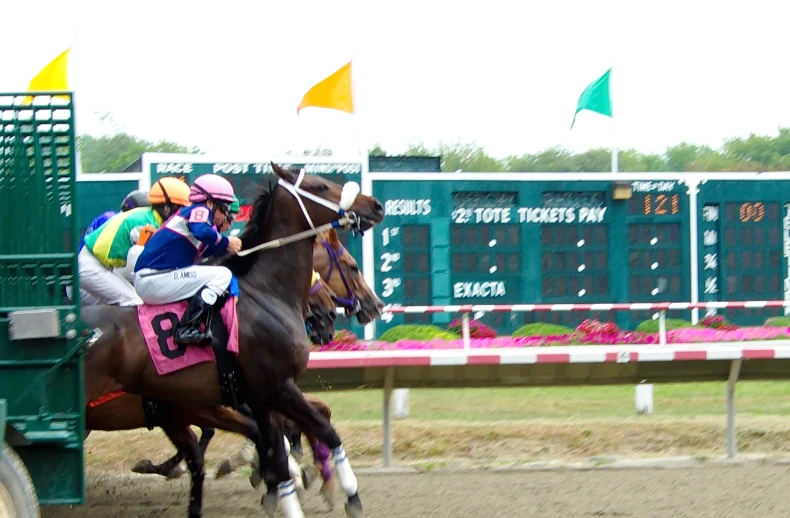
466, 290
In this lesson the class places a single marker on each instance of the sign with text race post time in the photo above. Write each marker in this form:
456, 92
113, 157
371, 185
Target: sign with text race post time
245, 175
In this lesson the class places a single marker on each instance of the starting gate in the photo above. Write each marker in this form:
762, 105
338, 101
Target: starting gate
41, 336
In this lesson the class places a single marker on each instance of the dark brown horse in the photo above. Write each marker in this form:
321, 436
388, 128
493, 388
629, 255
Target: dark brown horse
273, 344
352, 292
340, 270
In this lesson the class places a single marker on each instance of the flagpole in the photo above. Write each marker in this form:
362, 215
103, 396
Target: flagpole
615, 151
366, 186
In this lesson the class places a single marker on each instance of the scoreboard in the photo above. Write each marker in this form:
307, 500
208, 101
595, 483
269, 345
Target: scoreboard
460, 239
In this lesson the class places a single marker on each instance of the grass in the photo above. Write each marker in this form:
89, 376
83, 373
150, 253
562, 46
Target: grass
513, 404
520, 425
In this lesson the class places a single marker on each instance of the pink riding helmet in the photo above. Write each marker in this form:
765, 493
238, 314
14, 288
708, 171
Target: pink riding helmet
211, 186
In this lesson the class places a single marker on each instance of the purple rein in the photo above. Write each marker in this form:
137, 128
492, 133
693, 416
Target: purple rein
334, 262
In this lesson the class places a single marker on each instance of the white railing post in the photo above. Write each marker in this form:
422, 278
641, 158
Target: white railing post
389, 381
465, 331
732, 436
662, 327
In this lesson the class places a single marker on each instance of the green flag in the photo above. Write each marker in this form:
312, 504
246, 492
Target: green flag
596, 97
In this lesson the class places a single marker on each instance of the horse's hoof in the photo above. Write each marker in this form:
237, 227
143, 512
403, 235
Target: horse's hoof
269, 501
255, 479
223, 469
354, 507
326, 494
146, 467
176, 472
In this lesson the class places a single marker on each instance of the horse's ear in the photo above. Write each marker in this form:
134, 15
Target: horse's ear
285, 174
333, 237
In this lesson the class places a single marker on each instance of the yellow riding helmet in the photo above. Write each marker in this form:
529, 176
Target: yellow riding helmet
169, 190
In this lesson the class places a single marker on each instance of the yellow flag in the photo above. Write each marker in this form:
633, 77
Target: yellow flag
52, 78
334, 92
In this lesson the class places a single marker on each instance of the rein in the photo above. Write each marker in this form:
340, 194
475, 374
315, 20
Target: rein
351, 301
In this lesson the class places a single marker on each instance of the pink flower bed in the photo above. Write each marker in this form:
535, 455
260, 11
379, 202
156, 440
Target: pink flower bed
596, 335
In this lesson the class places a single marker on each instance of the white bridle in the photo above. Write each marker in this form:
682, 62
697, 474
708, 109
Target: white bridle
347, 198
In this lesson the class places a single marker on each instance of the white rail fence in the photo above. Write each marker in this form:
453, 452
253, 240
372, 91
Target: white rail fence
555, 366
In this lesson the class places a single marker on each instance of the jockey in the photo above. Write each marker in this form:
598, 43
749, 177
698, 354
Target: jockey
166, 271
132, 200
108, 247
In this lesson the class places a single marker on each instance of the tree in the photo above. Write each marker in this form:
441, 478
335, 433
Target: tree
754, 153
377, 150
112, 153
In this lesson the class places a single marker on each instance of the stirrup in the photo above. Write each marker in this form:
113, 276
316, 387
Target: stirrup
187, 331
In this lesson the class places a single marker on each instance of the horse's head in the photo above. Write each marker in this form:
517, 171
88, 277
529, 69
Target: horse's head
321, 314
321, 201
341, 272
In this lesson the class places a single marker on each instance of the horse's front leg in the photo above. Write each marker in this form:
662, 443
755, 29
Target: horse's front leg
185, 441
291, 402
274, 467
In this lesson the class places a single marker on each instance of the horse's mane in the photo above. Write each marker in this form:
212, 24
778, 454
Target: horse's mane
252, 233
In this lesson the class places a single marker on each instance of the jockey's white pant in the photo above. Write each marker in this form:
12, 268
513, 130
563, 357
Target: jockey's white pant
86, 299
101, 283
164, 287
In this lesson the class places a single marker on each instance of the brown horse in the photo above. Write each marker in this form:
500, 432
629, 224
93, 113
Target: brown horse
120, 411
340, 270
321, 314
273, 345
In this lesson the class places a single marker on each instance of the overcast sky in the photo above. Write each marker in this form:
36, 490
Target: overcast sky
227, 76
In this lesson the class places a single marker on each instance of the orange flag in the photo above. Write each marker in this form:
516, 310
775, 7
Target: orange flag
334, 92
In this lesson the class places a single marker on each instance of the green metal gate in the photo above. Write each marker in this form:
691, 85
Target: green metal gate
41, 372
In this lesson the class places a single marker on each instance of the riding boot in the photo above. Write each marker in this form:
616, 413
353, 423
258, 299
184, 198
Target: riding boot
194, 328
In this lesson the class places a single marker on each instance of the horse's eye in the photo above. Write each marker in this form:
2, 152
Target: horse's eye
354, 268
322, 187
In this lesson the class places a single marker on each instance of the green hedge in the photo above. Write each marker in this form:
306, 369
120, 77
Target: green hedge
651, 326
778, 322
542, 329
416, 332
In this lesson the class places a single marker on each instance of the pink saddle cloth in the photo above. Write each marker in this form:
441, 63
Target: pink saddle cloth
157, 323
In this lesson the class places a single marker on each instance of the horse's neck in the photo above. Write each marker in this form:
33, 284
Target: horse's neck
285, 271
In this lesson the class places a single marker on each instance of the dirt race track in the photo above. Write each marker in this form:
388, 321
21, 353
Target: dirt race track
708, 491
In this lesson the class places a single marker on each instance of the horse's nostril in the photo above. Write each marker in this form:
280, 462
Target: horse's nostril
378, 208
